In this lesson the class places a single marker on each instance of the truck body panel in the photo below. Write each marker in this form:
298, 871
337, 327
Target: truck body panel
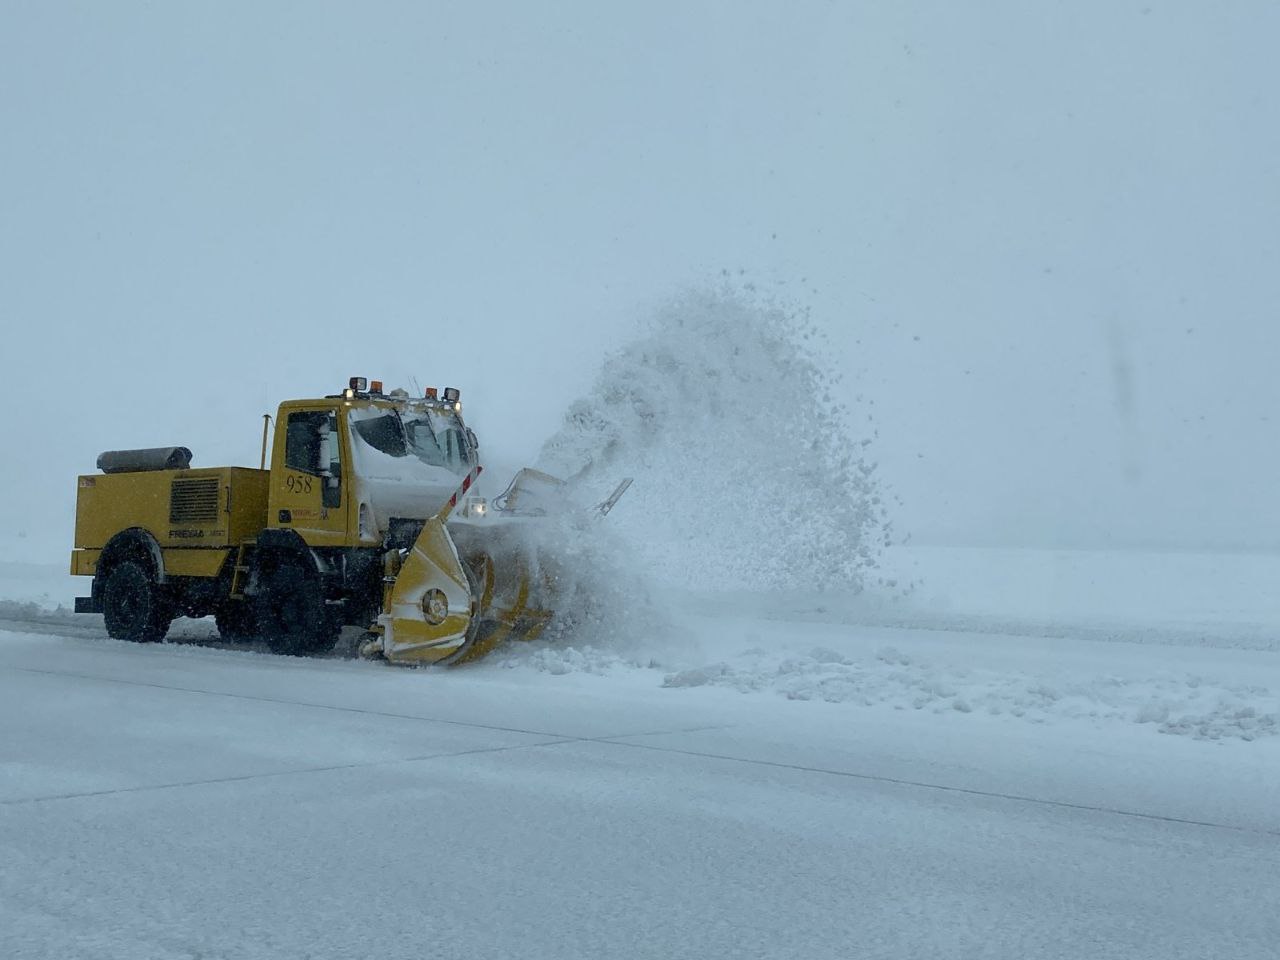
212, 507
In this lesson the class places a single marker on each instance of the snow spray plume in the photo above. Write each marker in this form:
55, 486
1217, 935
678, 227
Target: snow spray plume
746, 473
599, 598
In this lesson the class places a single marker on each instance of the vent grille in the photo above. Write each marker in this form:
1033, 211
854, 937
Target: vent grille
194, 501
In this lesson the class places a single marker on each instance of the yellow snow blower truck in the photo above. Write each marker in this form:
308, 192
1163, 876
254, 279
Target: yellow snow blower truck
364, 518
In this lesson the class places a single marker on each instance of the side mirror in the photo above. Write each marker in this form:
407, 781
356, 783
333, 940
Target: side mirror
471, 439
331, 480
324, 449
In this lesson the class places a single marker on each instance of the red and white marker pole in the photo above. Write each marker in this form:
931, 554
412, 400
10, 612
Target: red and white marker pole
459, 493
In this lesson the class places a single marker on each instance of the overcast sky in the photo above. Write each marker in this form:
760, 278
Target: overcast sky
1044, 236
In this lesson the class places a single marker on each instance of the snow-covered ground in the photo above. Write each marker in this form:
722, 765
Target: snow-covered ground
1019, 758
756, 730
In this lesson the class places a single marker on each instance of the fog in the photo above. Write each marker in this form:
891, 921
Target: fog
1041, 238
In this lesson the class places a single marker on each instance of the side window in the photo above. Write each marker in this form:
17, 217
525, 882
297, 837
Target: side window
455, 455
302, 441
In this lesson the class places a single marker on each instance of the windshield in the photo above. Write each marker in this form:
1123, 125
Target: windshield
426, 435
436, 435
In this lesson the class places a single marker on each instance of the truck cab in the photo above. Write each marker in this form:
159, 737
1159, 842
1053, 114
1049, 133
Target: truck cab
343, 468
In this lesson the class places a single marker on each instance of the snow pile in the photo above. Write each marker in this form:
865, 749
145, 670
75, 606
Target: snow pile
21, 611
37, 590
746, 472
1187, 706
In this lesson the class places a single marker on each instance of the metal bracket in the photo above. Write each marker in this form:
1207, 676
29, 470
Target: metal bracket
614, 497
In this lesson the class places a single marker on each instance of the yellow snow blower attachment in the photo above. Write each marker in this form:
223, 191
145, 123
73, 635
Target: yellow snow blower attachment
484, 578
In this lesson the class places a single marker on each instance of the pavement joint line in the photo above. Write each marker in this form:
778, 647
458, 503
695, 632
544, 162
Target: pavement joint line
660, 733
947, 788
294, 703
240, 778
622, 740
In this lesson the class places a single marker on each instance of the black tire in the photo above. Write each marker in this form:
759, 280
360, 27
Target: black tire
235, 620
134, 606
290, 610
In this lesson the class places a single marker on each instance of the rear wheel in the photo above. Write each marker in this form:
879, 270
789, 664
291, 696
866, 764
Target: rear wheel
134, 606
290, 610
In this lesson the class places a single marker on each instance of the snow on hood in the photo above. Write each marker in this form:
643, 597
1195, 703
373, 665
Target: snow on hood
396, 486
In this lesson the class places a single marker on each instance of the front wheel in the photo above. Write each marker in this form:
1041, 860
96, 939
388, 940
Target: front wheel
133, 605
290, 610
235, 620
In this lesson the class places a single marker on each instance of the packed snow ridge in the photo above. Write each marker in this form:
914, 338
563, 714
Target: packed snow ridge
1157, 695
1187, 705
